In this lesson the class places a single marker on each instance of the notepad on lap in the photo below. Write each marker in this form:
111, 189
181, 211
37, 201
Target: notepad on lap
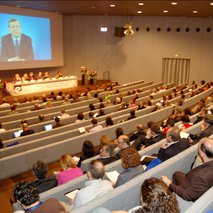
184, 135
113, 176
147, 158
72, 194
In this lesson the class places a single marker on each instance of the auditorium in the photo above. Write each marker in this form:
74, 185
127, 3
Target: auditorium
106, 106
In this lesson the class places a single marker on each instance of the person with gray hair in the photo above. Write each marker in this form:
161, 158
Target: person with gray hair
95, 187
122, 143
174, 144
197, 181
42, 182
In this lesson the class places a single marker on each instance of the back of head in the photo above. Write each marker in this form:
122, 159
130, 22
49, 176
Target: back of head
88, 148
124, 139
57, 119
174, 134
24, 126
80, 116
67, 161
109, 121
206, 149
157, 197
105, 140
25, 193
94, 121
155, 128
96, 169
119, 131
130, 158
40, 169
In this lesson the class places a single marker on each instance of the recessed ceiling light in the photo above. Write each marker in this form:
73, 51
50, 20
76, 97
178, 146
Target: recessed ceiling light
103, 29
195, 11
211, 3
140, 3
173, 3
112, 5
93, 7
139, 12
165, 11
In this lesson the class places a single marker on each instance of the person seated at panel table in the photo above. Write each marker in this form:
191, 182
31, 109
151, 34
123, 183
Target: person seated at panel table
59, 74
46, 76
40, 76
31, 76
25, 78
17, 78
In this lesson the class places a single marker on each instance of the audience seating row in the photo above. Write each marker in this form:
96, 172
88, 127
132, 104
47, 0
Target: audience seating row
59, 191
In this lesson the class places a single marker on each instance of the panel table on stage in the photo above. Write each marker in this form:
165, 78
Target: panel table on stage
31, 87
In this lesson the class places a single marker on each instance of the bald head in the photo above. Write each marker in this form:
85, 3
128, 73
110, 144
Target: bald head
95, 170
205, 149
173, 134
123, 141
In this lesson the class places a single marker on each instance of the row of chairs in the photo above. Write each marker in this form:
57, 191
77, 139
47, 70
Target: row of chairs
113, 199
52, 152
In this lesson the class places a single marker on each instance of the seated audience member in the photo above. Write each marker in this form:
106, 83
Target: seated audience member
174, 144
28, 197
156, 135
142, 105
17, 78
206, 129
96, 127
148, 131
69, 169
185, 123
26, 130
36, 107
118, 132
42, 182
170, 122
105, 140
155, 198
91, 107
59, 74
64, 114
46, 76
132, 115
80, 117
2, 129
107, 154
101, 112
57, 123
201, 115
88, 151
13, 110
41, 117
52, 96
137, 133
95, 187
39, 76
197, 181
122, 143
131, 162
109, 121
59, 96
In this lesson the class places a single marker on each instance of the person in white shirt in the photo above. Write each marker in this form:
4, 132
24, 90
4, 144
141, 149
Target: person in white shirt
64, 114
95, 187
4, 103
96, 127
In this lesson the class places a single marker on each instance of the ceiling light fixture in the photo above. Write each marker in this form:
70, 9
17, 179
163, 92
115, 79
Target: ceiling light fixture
173, 3
140, 3
165, 11
211, 3
195, 11
112, 5
139, 12
103, 29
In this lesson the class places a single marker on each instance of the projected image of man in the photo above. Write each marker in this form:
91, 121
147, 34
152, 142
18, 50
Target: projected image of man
16, 46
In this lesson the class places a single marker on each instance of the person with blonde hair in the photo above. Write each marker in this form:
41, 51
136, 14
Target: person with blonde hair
69, 169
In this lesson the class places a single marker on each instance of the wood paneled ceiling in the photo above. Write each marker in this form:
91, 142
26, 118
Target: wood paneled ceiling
148, 8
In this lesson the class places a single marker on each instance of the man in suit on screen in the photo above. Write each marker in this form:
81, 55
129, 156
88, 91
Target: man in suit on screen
16, 46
